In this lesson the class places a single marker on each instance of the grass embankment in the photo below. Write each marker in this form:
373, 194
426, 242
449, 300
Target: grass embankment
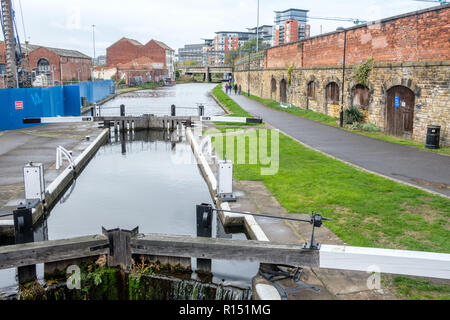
232, 106
332, 121
151, 85
368, 210
415, 289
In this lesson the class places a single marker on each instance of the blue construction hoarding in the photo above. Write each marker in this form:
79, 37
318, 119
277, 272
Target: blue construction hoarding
16, 104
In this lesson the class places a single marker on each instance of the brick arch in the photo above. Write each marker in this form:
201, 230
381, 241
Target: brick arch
405, 82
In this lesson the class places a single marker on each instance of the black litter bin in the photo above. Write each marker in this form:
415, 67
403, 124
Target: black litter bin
433, 137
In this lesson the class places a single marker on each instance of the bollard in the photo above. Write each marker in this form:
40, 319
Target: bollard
122, 110
173, 112
201, 110
23, 231
204, 230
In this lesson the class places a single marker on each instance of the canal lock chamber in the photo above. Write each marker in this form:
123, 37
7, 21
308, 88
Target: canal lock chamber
143, 179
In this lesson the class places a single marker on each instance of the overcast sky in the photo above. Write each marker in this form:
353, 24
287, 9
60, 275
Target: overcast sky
68, 23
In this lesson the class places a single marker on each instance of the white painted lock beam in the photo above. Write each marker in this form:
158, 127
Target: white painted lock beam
49, 120
231, 119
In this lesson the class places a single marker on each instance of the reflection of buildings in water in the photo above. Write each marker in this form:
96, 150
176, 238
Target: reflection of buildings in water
146, 137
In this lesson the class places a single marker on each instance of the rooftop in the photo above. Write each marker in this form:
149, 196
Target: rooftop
61, 52
292, 9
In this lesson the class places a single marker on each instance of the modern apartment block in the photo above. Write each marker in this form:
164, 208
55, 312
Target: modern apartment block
202, 53
191, 52
229, 40
289, 26
265, 33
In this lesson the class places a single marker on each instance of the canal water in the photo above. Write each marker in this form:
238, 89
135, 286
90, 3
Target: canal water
185, 97
142, 179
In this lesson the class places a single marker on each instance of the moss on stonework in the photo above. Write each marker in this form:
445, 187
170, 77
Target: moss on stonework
33, 291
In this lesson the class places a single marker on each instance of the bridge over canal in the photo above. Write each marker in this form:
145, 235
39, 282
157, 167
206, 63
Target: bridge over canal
207, 71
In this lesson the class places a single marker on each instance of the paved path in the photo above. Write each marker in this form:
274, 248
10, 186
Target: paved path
420, 168
37, 144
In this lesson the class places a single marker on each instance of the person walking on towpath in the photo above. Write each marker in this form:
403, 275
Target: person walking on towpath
240, 89
235, 89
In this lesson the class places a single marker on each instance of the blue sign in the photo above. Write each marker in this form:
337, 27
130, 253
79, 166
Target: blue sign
397, 102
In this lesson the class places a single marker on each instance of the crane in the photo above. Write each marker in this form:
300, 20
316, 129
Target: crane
18, 73
441, 2
355, 21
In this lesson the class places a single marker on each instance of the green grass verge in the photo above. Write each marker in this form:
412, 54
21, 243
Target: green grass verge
368, 210
417, 289
235, 109
325, 119
230, 104
151, 85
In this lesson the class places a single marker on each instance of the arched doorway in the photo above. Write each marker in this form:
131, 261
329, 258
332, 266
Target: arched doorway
332, 92
273, 89
283, 91
361, 97
400, 103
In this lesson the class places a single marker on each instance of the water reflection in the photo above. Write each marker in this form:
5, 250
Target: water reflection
134, 181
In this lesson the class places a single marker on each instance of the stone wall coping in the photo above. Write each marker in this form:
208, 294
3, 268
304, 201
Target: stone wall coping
377, 64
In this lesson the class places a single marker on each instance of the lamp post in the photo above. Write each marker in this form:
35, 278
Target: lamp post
257, 29
341, 113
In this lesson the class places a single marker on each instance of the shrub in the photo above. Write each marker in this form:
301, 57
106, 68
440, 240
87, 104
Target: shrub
362, 71
353, 115
370, 127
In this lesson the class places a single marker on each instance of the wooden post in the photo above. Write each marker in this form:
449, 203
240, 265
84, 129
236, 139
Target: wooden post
204, 230
123, 142
120, 247
201, 110
23, 230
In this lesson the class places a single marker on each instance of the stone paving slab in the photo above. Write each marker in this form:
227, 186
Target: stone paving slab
37, 144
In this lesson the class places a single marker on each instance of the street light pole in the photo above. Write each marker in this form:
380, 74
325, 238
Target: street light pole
257, 29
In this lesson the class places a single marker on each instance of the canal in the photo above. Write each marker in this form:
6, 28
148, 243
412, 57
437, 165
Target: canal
143, 179
159, 100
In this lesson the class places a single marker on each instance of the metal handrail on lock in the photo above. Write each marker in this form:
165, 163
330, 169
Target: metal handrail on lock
60, 152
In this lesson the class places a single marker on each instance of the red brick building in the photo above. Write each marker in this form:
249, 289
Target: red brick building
154, 58
55, 64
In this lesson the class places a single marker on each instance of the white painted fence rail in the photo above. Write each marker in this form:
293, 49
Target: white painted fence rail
412, 263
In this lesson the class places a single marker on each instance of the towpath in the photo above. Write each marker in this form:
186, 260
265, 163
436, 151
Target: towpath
419, 168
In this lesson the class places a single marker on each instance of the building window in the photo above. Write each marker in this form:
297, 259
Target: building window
43, 66
312, 90
333, 93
